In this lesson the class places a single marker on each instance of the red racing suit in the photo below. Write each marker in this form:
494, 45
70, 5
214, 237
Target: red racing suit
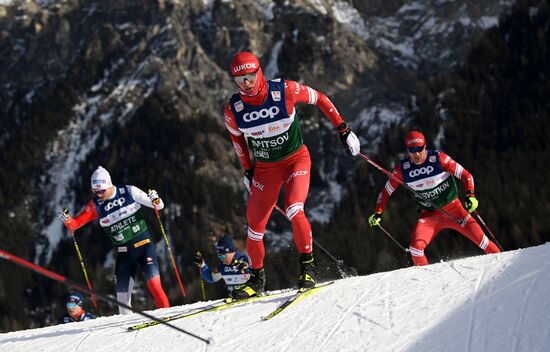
267, 126
433, 180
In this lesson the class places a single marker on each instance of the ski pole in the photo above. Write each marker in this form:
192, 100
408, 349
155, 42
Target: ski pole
169, 250
316, 243
82, 262
393, 239
62, 279
478, 217
338, 261
460, 222
202, 285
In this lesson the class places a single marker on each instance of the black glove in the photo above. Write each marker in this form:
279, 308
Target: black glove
248, 176
241, 265
198, 259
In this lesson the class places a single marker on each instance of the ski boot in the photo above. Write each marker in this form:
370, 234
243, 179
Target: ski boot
306, 280
253, 287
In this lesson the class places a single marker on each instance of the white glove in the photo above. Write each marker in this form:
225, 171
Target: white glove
349, 139
63, 216
153, 196
353, 144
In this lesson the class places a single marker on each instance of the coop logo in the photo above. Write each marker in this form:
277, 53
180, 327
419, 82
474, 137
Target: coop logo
115, 203
262, 114
422, 171
246, 66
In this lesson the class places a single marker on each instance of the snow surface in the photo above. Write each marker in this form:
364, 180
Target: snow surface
486, 303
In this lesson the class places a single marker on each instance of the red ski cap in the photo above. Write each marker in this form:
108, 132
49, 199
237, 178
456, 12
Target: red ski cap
415, 139
244, 63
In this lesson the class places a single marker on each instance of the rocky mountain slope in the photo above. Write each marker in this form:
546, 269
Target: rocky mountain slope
139, 88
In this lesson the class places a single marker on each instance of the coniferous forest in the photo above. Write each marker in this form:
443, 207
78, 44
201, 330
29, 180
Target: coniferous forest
490, 113
493, 115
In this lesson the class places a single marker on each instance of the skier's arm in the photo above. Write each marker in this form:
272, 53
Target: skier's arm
143, 199
89, 213
457, 171
300, 93
237, 137
387, 191
210, 276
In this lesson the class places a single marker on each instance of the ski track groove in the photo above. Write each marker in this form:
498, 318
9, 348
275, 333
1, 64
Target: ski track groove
452, 266
237, 341
88, 333
521, 317
297, 331
412, 337
473, 310
274, 336
344, 316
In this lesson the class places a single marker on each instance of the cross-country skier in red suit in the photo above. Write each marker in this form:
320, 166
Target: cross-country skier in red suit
430, 173
262, 120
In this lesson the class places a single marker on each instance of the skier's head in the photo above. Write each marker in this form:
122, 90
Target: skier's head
74, 303
416, 146
225, 245
225, 249
101, 183
247, 73
74, 299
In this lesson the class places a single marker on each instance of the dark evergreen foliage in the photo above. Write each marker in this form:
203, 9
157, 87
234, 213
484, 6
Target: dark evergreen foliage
494, 115
492, 111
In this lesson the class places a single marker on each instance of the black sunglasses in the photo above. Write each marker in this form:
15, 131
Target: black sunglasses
416, 149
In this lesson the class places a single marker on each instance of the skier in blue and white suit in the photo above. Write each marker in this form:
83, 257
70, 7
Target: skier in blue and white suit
233, 267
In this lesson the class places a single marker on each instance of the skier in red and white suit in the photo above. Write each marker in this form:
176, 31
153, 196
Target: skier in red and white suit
430, 173
261, 119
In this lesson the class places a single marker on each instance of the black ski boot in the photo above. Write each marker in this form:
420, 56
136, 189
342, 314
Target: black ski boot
307, 271
253, 287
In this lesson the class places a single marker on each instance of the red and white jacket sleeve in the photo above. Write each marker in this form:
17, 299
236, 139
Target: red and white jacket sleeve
237, 137
89, 213
300, 93
390, 187
457, 171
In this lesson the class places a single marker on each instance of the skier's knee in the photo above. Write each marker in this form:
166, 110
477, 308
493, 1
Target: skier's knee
295, 211
418, 256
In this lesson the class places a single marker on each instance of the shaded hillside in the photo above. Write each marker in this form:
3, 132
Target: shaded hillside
139, 89
492, 115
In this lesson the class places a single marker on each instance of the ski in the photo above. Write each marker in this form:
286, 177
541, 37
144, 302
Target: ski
298, 296
219, 305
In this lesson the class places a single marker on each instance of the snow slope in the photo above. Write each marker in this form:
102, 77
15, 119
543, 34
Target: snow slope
486, 303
